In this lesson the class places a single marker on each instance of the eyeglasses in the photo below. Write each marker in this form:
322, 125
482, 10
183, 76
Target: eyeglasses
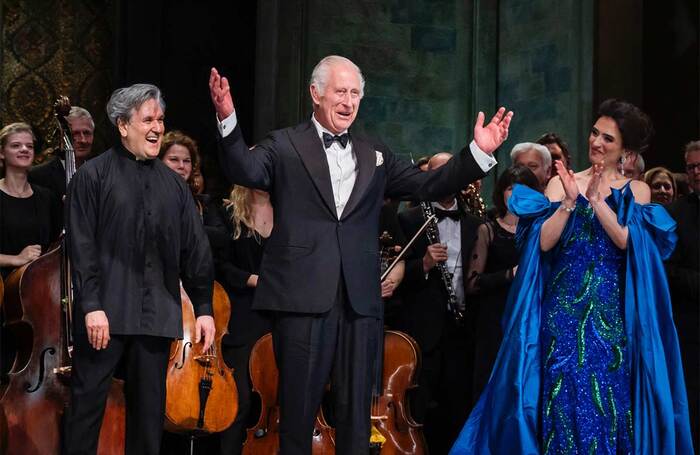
690, 167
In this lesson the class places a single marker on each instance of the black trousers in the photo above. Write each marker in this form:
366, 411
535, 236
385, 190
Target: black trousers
339, 346
443, 399
146, 362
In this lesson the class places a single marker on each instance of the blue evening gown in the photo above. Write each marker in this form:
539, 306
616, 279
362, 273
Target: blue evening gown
589, 361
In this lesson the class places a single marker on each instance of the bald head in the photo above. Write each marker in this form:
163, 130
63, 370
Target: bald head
439, 159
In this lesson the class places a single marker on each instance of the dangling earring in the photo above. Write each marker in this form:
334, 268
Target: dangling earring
623, 158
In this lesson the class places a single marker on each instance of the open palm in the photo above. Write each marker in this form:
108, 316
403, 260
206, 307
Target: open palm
568, 181
491, 136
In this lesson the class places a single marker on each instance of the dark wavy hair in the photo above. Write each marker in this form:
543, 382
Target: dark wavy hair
553, 138
635, 126
509, 177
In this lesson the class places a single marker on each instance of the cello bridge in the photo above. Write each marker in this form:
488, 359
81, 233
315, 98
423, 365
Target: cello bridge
205, 359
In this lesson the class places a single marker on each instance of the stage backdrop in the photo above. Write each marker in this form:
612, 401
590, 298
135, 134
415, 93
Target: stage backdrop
52, 47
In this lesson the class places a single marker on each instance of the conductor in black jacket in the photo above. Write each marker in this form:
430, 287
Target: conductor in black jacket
320, 268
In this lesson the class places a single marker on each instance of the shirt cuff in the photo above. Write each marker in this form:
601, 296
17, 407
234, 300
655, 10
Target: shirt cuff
229, 123
483, 159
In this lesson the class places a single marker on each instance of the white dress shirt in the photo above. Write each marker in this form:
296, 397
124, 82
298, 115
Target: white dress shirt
451, 235
342, 164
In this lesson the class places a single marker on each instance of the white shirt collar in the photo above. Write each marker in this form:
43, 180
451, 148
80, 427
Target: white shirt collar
454, 205
320, 129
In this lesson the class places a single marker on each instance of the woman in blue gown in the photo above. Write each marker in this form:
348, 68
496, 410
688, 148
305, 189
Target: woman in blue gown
589, 361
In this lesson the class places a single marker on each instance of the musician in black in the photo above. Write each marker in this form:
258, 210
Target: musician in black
133, 234
443, 396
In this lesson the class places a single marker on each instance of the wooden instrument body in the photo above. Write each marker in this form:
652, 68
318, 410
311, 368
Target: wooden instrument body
186, 373
391, 415
38, 392
263, 438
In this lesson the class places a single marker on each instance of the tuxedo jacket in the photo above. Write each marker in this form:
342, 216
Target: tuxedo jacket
424, 313
310, 248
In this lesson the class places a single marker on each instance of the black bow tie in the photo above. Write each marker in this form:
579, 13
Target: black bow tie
342, 139
442, 214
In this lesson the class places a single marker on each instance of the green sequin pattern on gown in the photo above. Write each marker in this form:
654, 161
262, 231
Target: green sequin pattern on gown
586, 383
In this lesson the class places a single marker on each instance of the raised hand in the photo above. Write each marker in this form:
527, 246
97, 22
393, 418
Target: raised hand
593, 190
568, 181
491, 136
220, 94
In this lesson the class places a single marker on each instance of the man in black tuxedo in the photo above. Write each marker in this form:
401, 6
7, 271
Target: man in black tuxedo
443, 398
320, 269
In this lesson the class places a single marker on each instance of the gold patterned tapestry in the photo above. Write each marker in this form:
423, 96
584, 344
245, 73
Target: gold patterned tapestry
52, 47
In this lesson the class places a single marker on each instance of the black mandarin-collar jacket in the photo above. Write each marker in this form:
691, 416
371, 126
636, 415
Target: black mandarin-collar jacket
133, 233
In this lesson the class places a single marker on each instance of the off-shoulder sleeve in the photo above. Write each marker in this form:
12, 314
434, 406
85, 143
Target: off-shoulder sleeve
661, 227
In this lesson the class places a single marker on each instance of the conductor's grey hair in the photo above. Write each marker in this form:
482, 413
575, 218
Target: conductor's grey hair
125, 101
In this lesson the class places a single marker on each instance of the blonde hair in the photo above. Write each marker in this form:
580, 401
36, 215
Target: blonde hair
14, 128
238, 206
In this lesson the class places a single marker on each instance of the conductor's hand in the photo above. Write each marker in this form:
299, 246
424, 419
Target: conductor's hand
437, 252
204, 329
220, 95
97, 327
491, 136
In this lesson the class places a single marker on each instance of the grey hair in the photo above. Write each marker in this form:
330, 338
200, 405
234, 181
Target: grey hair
692, 146
319, 76
124, 101
80, 112
527, 146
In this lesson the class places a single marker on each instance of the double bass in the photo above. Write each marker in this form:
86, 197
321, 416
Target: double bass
201, 393
263, 437
38, 310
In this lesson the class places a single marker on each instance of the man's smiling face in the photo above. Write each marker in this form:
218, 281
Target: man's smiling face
336, 104
143, 133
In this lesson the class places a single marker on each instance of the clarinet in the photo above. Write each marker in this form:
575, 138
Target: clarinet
433, 235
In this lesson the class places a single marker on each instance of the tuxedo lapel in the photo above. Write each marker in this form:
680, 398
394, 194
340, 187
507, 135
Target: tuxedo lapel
366, 166
309, 147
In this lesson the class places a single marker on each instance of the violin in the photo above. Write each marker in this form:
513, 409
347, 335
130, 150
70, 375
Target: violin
201, 393
394, 430
263, 437
38, 310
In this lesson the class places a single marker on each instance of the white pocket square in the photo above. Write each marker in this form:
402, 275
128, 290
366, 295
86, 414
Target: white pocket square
380, 158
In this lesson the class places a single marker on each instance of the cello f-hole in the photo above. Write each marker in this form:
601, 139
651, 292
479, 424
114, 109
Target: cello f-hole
184, 355
42, 370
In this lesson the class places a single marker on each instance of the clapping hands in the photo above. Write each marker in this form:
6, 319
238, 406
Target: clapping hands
491, 136
568, 181
593, 192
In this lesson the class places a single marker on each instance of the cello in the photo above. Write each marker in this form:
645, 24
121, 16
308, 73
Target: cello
38, 311
390, 414
263, 437
201, 392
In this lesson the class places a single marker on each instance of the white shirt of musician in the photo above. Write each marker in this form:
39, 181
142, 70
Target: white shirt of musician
451, 235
